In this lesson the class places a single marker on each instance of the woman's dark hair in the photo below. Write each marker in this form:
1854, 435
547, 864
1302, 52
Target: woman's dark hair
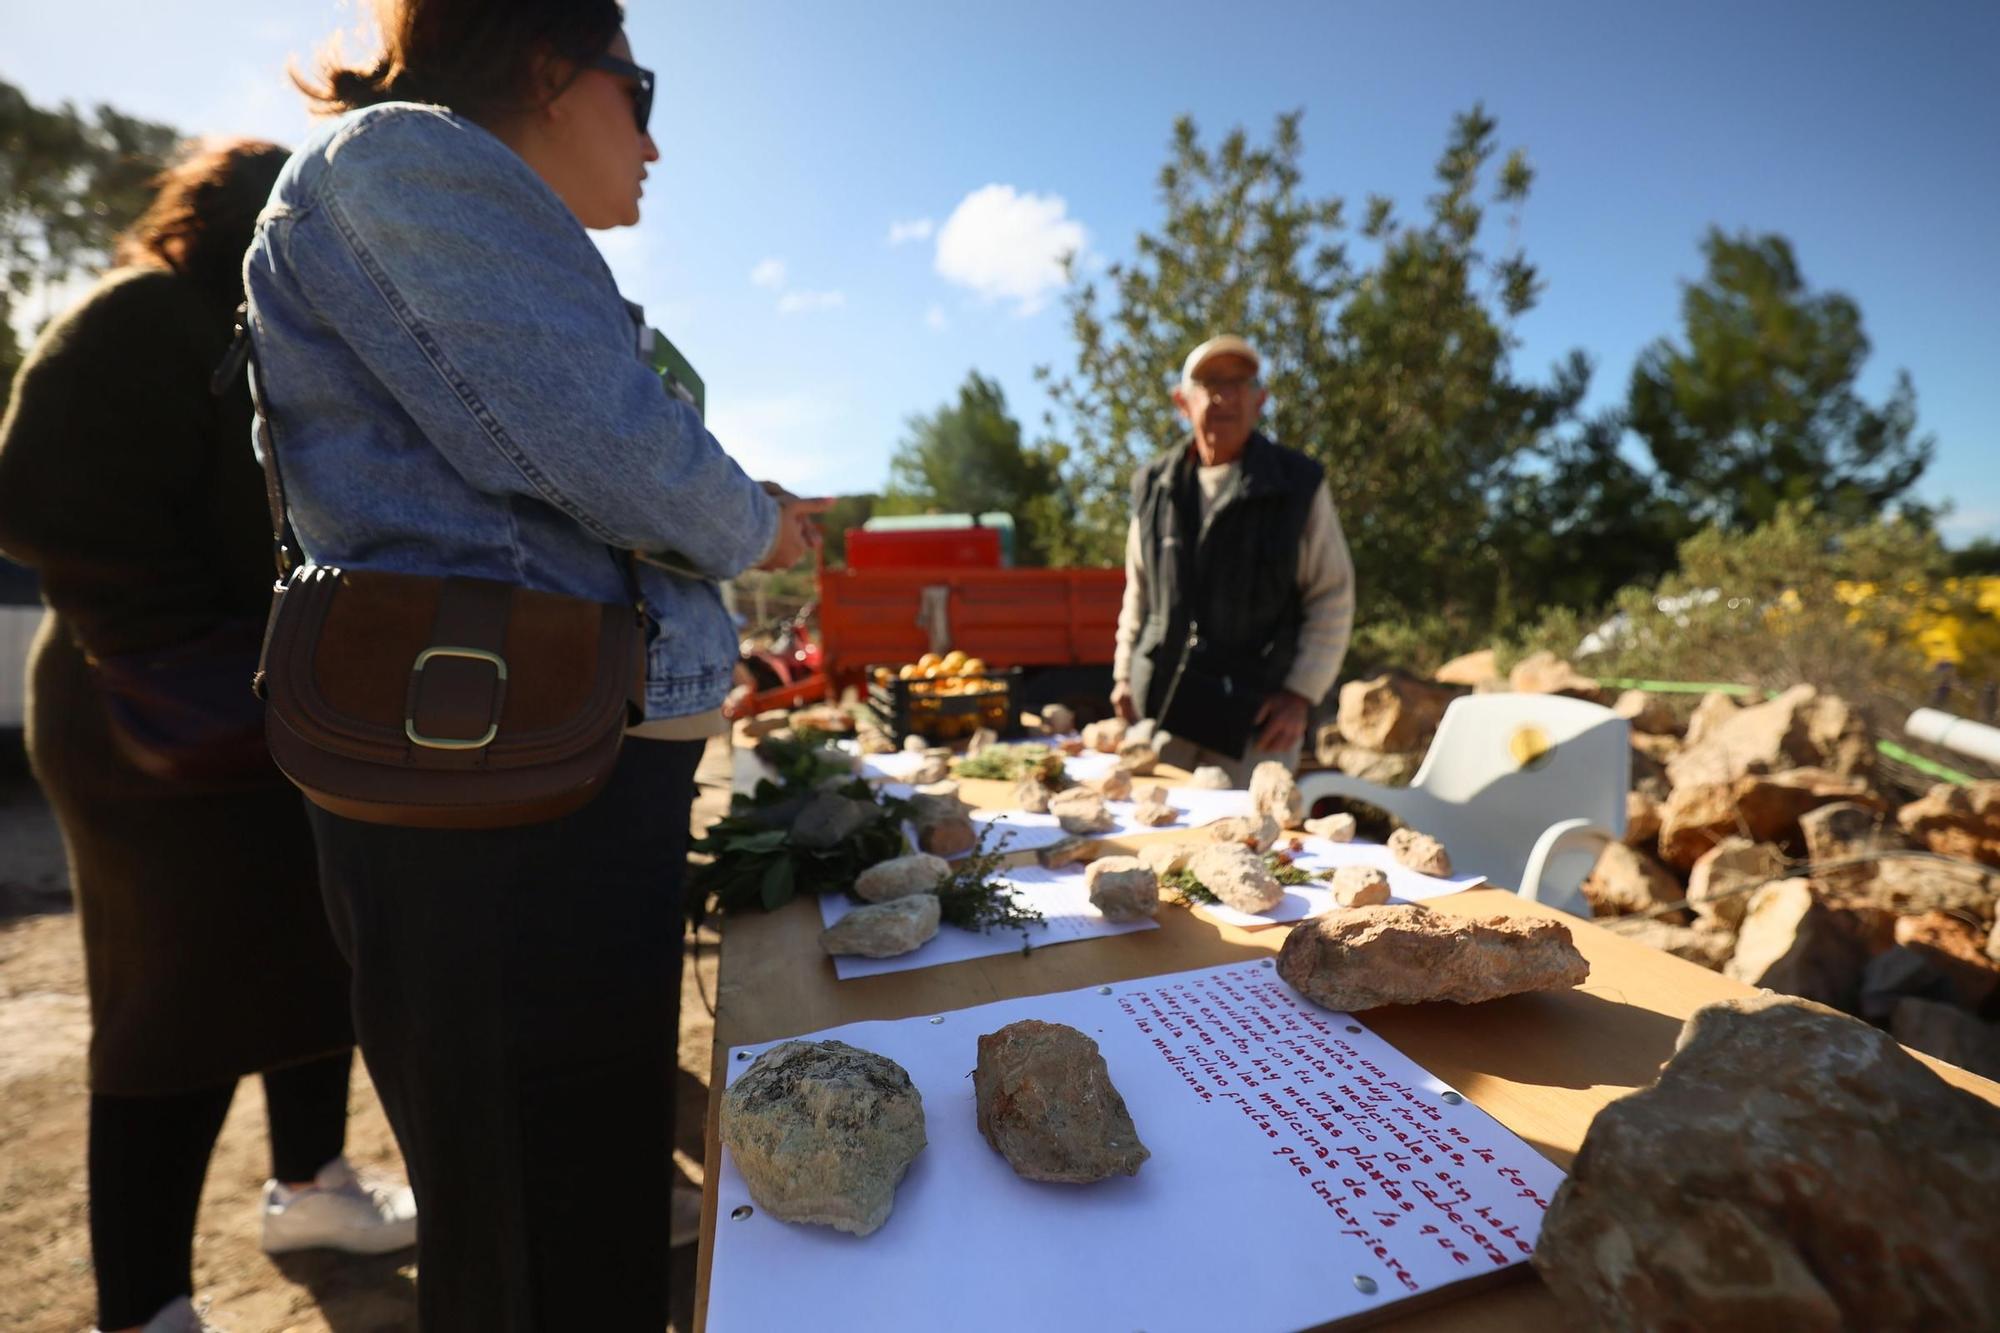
482, 58
204, 213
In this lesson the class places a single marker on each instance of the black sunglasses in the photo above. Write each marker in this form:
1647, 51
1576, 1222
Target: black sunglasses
642, 95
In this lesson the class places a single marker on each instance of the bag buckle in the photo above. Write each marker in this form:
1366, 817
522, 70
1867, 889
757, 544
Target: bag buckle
494, 660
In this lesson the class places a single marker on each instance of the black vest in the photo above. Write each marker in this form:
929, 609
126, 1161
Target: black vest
1238, 579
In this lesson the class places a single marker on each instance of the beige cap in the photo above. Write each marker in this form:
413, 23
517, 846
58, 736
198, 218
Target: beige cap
1227, 344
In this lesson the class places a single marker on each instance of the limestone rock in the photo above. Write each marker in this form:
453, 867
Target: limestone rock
1647, 712
1070, 851
1237, 876
1360, 886
1391, 712
1382, 767
932, 770
1949, 1034
1801, 728
1362, 957
915, 744
1122, 888
981, 740
1154, 813
1545, 673
1724, 877
829, 819
1957, 821
1790, 942
884, 930
1651, 754
823, 1132
1164, 858
1080, 811
1626, 881
1138, 757
1642, 819
1334, 828
1275, 792
1116, 785
1032, 795
1956, 948
944, 824
1047, 1104
1058, 719
1155, 793
1209, 778
1105, 736
1792, 1169
1763, 807
1710, 948
1257, 832
1469, 669
1846, 829
919, 872
1420, 852
1907, 886
1714, 709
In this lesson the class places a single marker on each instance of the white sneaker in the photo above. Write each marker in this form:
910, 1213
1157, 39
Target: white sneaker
176, 1316
338, 1212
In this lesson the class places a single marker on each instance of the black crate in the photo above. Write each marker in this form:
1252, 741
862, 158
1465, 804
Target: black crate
944, 715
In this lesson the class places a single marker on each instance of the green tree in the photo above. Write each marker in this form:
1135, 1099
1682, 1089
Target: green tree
967, 457
68, 185
1394, 374
849, 511
1758, 406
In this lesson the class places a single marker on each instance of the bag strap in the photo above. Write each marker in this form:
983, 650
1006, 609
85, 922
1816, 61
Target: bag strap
241, 358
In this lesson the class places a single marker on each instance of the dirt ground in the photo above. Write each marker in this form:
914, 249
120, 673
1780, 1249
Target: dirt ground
45, 1278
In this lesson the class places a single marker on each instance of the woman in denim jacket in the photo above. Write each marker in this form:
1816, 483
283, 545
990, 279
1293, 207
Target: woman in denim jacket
455, 387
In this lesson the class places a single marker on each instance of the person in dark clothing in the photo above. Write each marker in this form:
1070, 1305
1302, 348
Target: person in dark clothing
131, 489
1239, 591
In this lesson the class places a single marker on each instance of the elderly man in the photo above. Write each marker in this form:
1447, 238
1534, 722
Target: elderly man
1239, 591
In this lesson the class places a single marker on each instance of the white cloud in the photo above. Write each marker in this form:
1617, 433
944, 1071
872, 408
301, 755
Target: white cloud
797, 302
1006, 245
782, 438
934, 319
916, 229
770, 273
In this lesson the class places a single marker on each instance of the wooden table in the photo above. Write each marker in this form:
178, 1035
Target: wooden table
1543, 1065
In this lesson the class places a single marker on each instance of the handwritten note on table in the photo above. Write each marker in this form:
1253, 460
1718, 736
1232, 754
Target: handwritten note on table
1063, 900
1303, 1171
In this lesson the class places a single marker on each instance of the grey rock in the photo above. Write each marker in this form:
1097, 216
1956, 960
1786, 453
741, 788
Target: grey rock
1364, 957
1334, 828
1792, 1169
1896, 975
919, 872
1360, 886
944, 823
1420, 852
1210, 778
1080, 811
1948, 1033
1122, 888
1257, 832
1237, 876
1058, 720
884, 930
1047, 1104
1070, 851
823, 1132
980, 740
829, 819
1275, 792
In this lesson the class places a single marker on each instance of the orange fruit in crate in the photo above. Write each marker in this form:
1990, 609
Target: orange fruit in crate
928, 660
973, 666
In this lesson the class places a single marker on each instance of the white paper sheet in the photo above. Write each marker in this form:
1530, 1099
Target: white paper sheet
1063, 899
1288, 1143
1304, 900
902, 765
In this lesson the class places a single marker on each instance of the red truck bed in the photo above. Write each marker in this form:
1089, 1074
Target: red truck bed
1009, 617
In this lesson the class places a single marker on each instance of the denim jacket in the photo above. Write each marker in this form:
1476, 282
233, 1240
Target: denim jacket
455, 388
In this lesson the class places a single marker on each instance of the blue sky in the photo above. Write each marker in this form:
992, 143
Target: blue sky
798, 136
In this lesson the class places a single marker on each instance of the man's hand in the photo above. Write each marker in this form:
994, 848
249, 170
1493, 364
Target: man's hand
1122, 702
797, 533
1283, 717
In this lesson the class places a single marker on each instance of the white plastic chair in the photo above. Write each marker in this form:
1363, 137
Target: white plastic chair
1537, 826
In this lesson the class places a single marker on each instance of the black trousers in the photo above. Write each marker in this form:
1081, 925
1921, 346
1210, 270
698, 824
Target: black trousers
517, 999
149, 1156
